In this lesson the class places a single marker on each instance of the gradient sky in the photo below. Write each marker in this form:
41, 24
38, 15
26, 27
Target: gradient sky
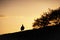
14, 13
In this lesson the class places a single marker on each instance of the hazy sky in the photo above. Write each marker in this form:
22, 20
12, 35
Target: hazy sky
14, 13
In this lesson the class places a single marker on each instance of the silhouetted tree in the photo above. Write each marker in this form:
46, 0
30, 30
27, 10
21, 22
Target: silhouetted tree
53, 15
22, 27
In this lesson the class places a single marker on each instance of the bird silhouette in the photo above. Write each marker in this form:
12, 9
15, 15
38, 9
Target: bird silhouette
22, 27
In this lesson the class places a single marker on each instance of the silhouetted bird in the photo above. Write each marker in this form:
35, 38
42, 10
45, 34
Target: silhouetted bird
22, 27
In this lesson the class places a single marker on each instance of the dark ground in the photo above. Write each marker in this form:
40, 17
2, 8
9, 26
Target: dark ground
46, 33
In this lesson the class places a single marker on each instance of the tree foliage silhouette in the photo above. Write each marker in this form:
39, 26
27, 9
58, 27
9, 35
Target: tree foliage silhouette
53, 15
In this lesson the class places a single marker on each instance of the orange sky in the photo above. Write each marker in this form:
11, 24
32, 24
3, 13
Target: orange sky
15, 13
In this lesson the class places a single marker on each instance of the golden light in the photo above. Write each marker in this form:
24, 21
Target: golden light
16, 13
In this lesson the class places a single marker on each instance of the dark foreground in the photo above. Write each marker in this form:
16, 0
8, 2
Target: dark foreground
46, 33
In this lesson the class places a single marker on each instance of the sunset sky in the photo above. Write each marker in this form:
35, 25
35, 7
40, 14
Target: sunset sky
14, 13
